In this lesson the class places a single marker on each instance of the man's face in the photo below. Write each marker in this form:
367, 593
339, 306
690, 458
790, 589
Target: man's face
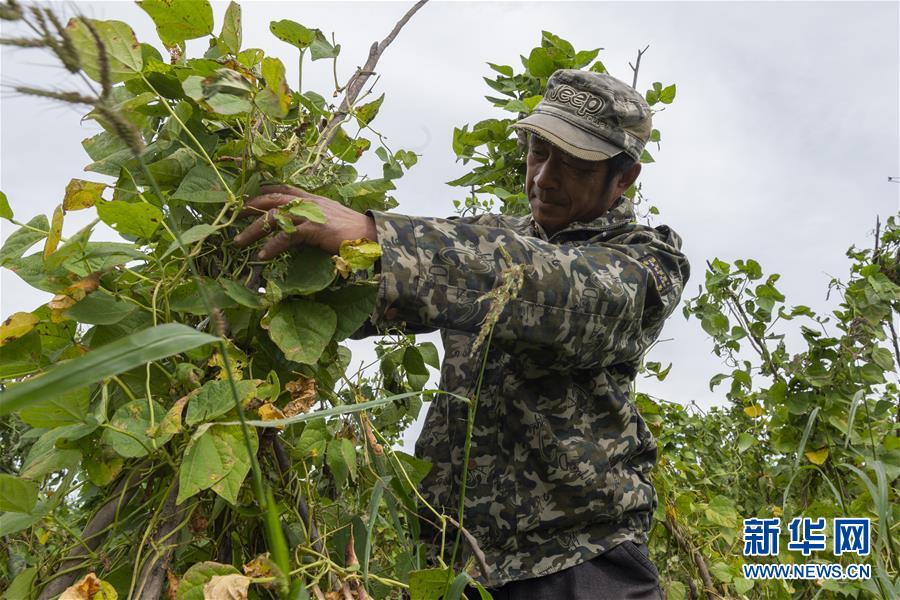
561, 188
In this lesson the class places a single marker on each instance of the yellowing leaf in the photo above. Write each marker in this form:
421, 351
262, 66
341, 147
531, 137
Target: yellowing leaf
817, 457
753, 411
226, 587
55, 234
269, 412
342, 266
261, 566
82, 194
171, 423
360, 254
83, 287
17, 325
43, 536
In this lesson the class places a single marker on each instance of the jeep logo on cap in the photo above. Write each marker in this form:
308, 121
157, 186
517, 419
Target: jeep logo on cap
583, 102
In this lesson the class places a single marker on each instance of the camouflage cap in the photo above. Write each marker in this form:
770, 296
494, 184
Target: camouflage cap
591, 115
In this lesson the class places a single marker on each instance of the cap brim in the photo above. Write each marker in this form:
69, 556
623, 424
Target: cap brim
571, 139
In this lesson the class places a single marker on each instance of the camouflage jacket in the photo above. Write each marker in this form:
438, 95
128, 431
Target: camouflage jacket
560, 457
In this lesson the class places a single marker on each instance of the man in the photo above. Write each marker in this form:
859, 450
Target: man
558, 491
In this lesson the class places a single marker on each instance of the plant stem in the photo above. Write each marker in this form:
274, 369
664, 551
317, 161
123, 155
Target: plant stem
470, 424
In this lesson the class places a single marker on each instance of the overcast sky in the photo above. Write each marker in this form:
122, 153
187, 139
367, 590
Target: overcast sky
778, 147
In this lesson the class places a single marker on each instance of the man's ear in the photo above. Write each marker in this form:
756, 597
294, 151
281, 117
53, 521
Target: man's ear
626, 179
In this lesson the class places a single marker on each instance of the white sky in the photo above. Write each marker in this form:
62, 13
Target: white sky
778, 146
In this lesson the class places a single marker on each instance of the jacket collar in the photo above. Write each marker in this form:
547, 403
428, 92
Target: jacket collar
621, 213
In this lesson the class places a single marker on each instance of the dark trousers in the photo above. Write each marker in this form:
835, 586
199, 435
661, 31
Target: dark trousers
621, 573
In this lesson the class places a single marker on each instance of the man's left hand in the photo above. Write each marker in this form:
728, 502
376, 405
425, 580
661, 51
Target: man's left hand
341, 223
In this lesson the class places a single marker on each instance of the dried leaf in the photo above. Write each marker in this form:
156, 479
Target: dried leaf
342, 266
172, 578
83, 287
90, 587
303, 396
226, 587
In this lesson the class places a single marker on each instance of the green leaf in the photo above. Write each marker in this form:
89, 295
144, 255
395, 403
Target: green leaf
301, 329
413, 362
458, 586
308, 271
415, 468
82, 194
189, 297
306, 209
240, 294
123, 52
231, 28
215, 398
14, 522
58, 411
191, 236
24, 238
44, 457
313, 440
216, 458
136, 419
353, 304
667, 94
16, 494
202, 185
229, 104
428, 584
429, 354
341, 459
585, 56
191, 585
502, 69
112, 359
715, 324
883, 358
179, 20
103, 466
230, 438
360, 254
744, 441
721, 511
322, 48
293, 33
169, 171
139, 219
22, 585
5, 210
367, 112
540, 64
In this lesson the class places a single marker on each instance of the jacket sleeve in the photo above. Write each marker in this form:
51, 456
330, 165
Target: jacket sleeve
580, 307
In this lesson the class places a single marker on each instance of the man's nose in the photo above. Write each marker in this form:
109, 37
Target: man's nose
547, 175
